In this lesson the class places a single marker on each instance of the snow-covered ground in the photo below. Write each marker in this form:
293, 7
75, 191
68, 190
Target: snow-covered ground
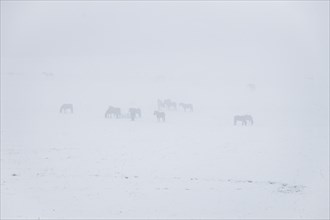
269, 59
195, 165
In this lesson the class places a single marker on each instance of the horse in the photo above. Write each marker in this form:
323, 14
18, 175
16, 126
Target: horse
244, 119
47, 74
251, 86
112, 111
160, 115
187, 106
169, 104
133, 112
65, 108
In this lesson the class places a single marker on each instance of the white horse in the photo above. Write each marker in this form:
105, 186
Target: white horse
187, 106
113, 111
244, 119
65, 108
160, 115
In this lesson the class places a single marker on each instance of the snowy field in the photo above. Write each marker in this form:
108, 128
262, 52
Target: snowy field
195, 165
267, 59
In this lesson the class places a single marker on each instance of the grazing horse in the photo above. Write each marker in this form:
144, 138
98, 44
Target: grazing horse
113, 111
66, 107
244, 119
170, 105
160, 115
187, 106
133, 112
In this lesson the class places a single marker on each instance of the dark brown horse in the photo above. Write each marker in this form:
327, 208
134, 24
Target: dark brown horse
133, 112
66, 108
113, 111
187, 107
160, 115
244, 119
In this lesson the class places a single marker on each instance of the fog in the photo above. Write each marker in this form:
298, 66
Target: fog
269, 60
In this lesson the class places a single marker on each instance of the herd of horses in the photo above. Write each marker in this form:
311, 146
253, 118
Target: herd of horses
115, 112
168, 104
163, 106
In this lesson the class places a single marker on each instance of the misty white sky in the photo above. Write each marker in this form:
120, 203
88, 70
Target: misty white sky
254, 40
